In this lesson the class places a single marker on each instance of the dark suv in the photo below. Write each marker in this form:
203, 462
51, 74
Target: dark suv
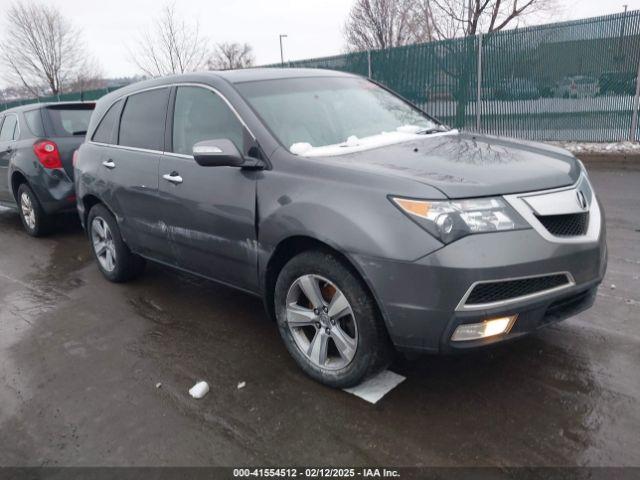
37, 143
361, 221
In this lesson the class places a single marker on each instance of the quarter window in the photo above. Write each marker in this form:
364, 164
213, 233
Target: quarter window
143, 119
201, 114
9, 128
34, 122
104, 132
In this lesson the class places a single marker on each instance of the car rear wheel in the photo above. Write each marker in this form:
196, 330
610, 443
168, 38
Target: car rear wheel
329, 321
116, 262
35, 220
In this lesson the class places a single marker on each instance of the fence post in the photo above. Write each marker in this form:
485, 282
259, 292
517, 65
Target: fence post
369, 62
479, 86
636, 107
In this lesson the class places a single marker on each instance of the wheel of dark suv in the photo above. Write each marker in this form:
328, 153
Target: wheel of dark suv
328, 320
115, 260
34, 219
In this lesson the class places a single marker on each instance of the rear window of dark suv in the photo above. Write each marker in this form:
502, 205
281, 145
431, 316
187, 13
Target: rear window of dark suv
69, 120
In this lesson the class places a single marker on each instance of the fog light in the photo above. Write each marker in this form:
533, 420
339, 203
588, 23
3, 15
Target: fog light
488, 328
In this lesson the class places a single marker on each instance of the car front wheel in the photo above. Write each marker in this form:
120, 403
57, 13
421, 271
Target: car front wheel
329, 321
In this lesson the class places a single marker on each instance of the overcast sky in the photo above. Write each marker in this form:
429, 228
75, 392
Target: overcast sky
314, 27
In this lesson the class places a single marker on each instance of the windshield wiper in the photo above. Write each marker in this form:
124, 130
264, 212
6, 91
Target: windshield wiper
428, 131
79, 132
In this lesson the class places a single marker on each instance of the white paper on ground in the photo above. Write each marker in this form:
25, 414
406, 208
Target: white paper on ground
199, 390
374, 388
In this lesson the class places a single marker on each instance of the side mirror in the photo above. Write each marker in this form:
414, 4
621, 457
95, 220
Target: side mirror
217, 153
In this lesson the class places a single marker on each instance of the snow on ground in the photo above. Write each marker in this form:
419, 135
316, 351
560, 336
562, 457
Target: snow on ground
617, 148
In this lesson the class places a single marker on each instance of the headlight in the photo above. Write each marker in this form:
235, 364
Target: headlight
451, 220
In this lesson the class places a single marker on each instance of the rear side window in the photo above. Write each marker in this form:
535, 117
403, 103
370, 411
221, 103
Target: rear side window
34, 122
9, 129
143, 119
104, 132
70, 120
200, 114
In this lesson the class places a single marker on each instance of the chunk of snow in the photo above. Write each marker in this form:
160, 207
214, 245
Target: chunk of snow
374, 388
352, 141
596, 148
199, 390
300, 148
242, 385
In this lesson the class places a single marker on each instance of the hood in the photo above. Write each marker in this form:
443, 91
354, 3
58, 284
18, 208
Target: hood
467, 165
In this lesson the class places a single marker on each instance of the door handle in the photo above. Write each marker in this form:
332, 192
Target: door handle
109, 164
173, 177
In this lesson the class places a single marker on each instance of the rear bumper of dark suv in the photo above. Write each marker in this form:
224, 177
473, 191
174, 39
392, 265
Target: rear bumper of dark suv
423, 302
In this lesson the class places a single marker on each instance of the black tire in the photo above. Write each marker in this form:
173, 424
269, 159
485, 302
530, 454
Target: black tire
373, 352
39, 223
126, 265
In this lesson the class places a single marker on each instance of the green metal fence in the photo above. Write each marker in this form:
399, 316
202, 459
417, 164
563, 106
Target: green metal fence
565, 81
87, 96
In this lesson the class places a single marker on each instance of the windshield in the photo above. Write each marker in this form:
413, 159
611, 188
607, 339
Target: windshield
70, 120
306, 113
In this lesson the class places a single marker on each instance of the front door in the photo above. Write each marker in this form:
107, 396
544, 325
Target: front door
208, 213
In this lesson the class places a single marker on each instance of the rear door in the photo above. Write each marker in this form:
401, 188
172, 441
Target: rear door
208, 213
130, 169
9, 131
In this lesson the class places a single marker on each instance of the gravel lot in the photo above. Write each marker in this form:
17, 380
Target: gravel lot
80, 359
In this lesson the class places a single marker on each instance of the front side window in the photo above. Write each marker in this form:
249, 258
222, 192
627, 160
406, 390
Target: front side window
201, 114
9, 129
69, 120
331, 111
143, 119
105, 130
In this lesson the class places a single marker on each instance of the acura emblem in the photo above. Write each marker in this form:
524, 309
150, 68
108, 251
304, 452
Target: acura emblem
582, 201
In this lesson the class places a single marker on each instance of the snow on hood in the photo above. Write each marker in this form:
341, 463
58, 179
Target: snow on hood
355, 144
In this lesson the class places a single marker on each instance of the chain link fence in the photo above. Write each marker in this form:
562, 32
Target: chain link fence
570, 81
567, 81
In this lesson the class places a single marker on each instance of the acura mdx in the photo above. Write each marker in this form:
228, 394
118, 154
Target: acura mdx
364, 223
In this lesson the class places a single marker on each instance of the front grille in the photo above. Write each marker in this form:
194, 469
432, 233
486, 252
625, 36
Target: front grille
571, 225
506, 290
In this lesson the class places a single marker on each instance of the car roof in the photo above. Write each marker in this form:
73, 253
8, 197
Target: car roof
35, 105
256, 74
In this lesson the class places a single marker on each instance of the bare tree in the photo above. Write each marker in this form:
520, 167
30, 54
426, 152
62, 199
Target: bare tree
41, 50
455, 18
173, 46
380, 24
229, 56
91, 78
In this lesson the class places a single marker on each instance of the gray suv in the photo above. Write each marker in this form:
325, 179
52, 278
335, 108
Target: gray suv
37, 143
363, 223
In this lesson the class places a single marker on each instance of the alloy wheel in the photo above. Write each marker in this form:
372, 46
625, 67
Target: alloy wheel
321, 322
28, 211
103, 244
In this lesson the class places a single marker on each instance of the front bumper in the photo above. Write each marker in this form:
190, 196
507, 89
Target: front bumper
419, 299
